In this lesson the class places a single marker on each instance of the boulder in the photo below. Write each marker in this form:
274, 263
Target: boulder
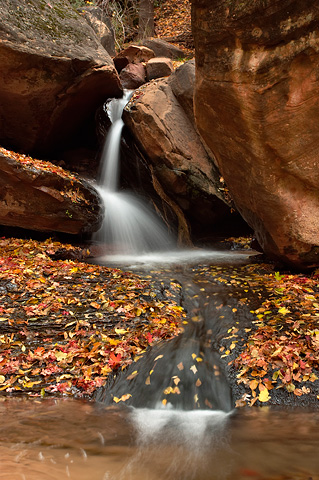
182, 84
133, 76
38, 195
161, 48
177, 158
54, 74
158, 67
102, 25
256, 107
132, 54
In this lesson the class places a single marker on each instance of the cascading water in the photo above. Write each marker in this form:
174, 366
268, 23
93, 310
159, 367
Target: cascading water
129, 226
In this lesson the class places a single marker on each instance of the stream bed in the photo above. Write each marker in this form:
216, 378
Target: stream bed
148, 439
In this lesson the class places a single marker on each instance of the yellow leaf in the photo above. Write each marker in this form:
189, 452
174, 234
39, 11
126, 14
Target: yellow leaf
283, 310
264, 395
193, 369
60, 356
2, 379
164, 401
120, 331
148, 381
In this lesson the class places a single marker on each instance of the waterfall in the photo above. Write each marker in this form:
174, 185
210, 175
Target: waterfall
129, 226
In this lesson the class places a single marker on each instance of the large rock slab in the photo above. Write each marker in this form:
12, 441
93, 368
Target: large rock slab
54, 74
256, 107
38, 195
178, 159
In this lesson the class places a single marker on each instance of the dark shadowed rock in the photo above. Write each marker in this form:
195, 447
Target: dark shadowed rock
54, 74
177, 157
161, 48
38, 195
257, 109
133, 76
158, 67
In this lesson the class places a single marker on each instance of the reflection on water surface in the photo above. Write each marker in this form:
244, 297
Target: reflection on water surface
62, 439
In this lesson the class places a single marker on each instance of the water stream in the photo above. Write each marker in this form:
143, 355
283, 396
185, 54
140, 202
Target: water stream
197, 435
130, 227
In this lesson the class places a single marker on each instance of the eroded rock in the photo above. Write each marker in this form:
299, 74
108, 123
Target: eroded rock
38, 195
54, 74
178, 159
256, 107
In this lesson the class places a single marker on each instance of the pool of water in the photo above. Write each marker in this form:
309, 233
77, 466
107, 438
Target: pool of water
54, 439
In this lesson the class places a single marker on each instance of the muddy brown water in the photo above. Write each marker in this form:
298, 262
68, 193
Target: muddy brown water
73, 439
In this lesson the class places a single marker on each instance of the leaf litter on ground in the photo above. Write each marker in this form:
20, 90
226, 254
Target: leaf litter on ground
65, 326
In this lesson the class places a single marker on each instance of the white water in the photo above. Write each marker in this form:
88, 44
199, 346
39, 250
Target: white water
129, 226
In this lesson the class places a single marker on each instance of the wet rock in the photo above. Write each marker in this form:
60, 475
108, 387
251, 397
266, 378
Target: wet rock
256, 107
54, 74
38, 195
158, 67
178, 161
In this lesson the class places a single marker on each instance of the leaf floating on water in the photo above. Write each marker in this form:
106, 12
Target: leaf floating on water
196, 398
208, 404
193, 369
123, 398
148, 381
176, 380
198, 383
133, 375
194, 356
164, 401
158, 357
180, 366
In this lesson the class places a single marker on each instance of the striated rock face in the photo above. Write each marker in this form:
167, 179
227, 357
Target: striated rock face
54, 74
38, 195
179, 162
257, 109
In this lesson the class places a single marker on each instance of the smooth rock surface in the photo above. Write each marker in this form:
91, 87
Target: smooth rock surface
178, 159
257, 109
158, 67
54, 74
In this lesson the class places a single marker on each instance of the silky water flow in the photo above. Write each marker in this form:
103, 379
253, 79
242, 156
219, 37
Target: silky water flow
130, 227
